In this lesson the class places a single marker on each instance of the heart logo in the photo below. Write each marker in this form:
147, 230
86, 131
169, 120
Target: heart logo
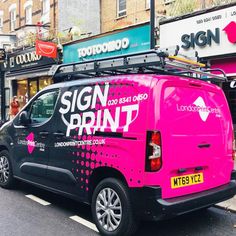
30, 143
230, 31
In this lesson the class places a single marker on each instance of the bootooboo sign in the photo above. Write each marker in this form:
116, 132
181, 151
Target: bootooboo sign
99, 108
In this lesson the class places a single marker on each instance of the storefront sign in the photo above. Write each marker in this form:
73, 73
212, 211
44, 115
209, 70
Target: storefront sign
46, 49
27, 59
106, 47
201, 38
119, 43
212, 33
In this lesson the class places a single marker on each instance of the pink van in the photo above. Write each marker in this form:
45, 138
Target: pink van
137, 146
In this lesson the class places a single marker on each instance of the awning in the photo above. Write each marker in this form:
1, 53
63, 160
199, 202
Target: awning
26, 74
228, 65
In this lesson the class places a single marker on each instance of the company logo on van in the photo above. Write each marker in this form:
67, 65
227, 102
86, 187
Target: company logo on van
31, 143
199, 106
94, 108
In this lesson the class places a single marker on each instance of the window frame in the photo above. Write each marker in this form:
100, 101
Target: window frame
13, 19
28, 109
29, 20
1, 21
36, 98
45, 7
121, 13
148, 4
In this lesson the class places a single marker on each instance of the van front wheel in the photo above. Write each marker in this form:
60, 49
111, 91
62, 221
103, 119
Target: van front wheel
111, 209
6, 175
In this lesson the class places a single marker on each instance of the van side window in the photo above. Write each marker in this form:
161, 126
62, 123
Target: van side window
43, 107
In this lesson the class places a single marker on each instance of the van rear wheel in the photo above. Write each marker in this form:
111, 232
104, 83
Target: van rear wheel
112, 210
6, 176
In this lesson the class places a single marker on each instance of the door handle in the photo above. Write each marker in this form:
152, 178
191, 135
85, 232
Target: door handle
43, 134
59, 134
204, 145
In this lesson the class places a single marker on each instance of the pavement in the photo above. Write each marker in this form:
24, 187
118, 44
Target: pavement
229, 205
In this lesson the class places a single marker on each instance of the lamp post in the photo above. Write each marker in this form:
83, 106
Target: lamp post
2, 84
152, 24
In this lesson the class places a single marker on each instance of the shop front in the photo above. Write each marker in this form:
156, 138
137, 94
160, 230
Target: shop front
212, 33
118, 42
27, 74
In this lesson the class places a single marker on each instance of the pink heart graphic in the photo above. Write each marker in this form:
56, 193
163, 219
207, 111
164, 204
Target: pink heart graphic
31, 143
230, 30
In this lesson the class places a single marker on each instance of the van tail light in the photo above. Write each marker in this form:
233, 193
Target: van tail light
153, 151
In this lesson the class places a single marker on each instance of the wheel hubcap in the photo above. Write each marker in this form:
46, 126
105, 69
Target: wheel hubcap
108, 209
4, 169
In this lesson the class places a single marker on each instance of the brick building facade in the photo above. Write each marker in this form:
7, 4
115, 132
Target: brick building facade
42, 11
123, 13
48, 18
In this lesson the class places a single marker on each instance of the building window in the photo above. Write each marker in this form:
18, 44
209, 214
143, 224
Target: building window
28, 15
12, 20
147, 4
45, 7
121, 8
166, 2
28, 12
1, 22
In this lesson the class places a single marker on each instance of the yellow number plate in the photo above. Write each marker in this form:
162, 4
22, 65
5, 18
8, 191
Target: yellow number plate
186, 180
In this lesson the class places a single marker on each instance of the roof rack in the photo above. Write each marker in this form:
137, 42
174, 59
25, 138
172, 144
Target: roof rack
152, 61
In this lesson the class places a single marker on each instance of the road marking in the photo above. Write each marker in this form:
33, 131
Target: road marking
38, 200
84, 222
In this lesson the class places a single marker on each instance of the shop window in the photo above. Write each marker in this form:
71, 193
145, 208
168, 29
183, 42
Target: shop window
44, 82
22, 93
33, 88
121, 8
43, 107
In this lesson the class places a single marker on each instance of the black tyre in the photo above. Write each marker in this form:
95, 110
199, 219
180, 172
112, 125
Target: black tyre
6, 175
112, 210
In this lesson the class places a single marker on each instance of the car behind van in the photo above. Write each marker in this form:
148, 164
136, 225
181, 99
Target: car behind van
139, 146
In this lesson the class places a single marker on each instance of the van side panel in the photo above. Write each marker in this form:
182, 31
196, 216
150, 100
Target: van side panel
105, 126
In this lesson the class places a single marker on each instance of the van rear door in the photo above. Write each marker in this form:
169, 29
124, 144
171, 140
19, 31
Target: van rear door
196, 131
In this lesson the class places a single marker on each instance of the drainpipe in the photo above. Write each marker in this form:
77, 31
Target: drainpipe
19, 13
54, 14
152, 24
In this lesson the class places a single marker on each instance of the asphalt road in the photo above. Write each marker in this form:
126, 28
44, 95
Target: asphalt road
21, 216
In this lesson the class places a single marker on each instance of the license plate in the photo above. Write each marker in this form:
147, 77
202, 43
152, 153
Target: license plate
186, 180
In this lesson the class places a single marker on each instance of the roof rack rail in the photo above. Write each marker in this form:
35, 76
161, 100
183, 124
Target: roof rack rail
152, 61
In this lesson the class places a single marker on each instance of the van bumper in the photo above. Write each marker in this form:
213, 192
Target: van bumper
151, 206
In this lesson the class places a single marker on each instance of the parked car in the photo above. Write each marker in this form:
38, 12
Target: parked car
139, 146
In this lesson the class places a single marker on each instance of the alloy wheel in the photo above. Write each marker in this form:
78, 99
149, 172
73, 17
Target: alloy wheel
108, 209
4, 169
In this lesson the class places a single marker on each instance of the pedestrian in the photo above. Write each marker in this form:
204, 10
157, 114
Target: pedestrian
14, 107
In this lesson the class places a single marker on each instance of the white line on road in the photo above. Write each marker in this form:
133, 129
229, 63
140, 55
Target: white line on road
38, 200
84, 222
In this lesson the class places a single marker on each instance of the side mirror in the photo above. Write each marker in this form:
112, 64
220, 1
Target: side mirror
23, 118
